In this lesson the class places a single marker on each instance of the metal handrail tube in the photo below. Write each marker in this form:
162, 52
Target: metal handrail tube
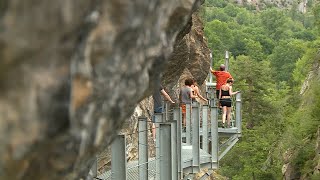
165, 151
205, 128
143, 148
195, 138
158, 119
176, 146
238, 112
188, 123
214, 134
118, 158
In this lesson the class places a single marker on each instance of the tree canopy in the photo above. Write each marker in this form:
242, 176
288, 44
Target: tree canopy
272, 53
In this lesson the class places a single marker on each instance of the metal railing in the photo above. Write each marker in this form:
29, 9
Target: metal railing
171, 161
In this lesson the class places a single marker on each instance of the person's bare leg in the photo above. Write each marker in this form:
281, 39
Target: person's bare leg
224, 113
229, 116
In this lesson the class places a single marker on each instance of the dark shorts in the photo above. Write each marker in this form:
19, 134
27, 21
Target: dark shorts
225, 102
156, 110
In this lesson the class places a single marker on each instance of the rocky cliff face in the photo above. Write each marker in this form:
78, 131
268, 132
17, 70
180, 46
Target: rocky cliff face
289, 170
73, 71
190, 58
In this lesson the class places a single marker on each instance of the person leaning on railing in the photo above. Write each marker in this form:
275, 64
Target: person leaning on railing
225, 94
158, 106
221, 77
196, 91
185, 97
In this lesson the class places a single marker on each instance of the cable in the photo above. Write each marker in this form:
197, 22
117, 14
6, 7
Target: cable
129, 134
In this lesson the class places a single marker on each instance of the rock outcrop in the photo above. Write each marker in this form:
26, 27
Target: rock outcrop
72, 72
190, 58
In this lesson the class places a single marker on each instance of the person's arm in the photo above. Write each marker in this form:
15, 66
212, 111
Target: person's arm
220, 93
191, 94
211, 70
166, 95
231, 92
197, 91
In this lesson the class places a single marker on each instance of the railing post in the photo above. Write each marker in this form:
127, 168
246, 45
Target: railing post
214, 136
205, 128
143, 148
195, 139
165, 151
158, 119
94, 169
175, 144
211, 64
166, 109
180, 160
238, 112
188, 123
118, 158
227, 61
177, 118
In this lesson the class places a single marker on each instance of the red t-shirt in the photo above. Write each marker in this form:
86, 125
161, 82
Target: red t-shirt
222, 77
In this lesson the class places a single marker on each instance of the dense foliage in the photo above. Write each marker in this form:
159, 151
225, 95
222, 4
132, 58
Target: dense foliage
273, 50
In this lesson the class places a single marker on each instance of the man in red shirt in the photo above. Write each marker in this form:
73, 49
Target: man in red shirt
221, 77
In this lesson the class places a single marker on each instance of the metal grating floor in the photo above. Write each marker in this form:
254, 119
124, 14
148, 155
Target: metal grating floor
133, 171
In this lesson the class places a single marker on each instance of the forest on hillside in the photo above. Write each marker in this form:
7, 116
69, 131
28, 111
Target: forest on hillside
274, 52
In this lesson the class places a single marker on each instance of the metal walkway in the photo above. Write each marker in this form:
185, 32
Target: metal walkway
180, 152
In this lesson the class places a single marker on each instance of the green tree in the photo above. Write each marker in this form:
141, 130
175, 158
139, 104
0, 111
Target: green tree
219, 37
216, 3
245, 18
284, 57
304, 64
231, 10
254, 50
215, 13
273, 20
254, 79
316, 12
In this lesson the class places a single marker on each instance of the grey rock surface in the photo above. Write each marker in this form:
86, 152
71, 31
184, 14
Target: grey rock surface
191, 60
72, 72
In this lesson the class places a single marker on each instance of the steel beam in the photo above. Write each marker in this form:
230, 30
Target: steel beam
165, 152
158, 119
188, 123
195, 139
205, 134
238, 112
214, 135
118, 158
143, 148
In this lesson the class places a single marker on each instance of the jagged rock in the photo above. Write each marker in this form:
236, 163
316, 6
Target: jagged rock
186, 61
72, 71
190, 57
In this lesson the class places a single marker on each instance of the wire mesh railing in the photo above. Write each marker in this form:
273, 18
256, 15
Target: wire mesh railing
201, 135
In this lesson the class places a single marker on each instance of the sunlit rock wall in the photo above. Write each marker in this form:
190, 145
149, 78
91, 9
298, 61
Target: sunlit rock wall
72, 72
